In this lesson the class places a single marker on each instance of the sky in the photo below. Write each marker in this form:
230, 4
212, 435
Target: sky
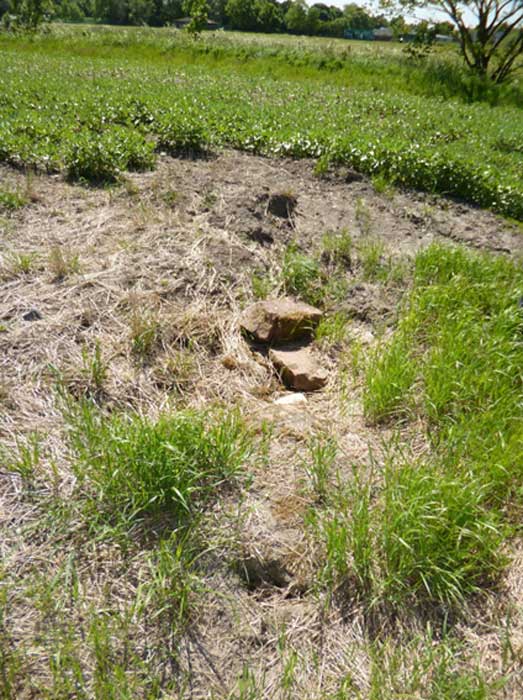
409, 16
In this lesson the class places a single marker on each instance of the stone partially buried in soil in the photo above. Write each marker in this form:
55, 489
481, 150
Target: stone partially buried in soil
279, 320
298, 369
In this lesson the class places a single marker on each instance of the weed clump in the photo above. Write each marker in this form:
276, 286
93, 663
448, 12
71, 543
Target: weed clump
131, 465
302, 276
423, 535
11, 201
433, 528
61, 264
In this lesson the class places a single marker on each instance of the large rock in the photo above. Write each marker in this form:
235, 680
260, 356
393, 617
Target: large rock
279, 320
298, 369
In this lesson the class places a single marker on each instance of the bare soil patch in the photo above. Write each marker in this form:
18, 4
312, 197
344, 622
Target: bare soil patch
155, 274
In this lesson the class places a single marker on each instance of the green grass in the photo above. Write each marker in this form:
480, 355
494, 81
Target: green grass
23, 263
320, 465
420, 535
427, 668
10, 201
131, 466
140, 492
145, 334
302, 276
433, 528
456, 360
95, 654
126, 92
337, 248
371, 257
332, 330
390, 380
318, 277
94, 369
26, 461
116, 521
62, 263
323, 275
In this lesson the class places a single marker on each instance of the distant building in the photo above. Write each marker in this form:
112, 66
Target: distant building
440, 38
444, 39
383, 34
498, 36
360, 34
182, 22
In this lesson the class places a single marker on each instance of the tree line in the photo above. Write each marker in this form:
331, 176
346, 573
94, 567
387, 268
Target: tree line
291, 16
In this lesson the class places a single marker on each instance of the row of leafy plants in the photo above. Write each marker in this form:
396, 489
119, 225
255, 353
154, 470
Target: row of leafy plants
97, 118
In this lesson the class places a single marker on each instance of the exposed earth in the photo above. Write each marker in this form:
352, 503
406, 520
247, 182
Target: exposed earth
168, 260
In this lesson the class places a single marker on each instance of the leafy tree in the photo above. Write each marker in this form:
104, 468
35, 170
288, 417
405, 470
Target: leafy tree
423, 42
166, 11
139, 11
242, 14
445, 28
491, 48
296, 18
217, 10
269, 16
111, 11
334, 27
198, 11
324, 11
69, 10
28, 15
357, 17
398, 25
313, 20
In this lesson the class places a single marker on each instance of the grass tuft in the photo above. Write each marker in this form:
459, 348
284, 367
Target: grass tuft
302, 275
11, 201
432, 529
132, 466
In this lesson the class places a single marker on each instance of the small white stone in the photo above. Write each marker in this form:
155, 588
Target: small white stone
366, 338
291, 399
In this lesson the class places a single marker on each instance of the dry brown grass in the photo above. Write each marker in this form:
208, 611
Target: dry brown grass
154, 275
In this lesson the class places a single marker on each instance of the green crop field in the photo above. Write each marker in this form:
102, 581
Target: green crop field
95, 102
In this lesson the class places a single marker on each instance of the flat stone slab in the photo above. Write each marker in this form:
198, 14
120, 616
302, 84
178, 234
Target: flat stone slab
298, 369
277, 321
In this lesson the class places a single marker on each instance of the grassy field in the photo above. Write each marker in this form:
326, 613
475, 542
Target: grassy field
169, 529
94, 102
